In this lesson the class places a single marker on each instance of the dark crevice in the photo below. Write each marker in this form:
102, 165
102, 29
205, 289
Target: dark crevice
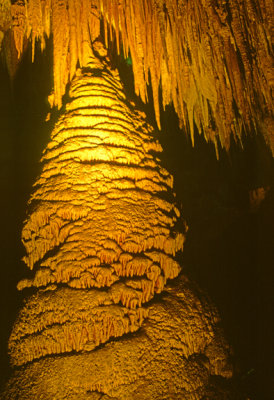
211, 118
105, 94
48, 254
240, 63
115, 119
95, 145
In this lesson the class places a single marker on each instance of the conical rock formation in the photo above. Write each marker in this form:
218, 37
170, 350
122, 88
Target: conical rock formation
102, 240
102, 221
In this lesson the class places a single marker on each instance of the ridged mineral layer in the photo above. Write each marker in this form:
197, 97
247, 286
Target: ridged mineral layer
178, 353
102, 221
102, 240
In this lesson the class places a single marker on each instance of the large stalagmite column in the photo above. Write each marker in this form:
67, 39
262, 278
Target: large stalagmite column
102, 239
102, 223
110, 315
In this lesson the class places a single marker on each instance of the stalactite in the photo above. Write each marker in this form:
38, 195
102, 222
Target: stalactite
205, 53
212, 59
5, 18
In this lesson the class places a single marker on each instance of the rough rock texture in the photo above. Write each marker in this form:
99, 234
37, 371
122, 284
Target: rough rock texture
5, 18
101, 240
212, 58
102, 218
176, 354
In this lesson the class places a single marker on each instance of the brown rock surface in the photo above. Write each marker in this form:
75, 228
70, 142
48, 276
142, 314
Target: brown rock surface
174, 354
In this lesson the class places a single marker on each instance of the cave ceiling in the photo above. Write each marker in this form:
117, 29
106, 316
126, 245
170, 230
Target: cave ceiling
211, 59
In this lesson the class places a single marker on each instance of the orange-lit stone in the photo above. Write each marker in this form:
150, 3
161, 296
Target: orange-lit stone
98, 221
100, 238
212, 59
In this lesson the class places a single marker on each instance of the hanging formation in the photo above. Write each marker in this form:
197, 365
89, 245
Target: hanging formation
211, 59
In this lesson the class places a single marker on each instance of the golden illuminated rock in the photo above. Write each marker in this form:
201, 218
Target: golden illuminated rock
99, 219
173, 356
212, 59
102, 241
103, 233
5, 18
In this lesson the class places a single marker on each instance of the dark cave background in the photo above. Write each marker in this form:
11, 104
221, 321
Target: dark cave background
229, 246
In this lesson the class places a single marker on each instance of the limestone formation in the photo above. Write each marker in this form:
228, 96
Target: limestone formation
102, 218
5, 18
176, 354
108, 313
102, 240
212, 59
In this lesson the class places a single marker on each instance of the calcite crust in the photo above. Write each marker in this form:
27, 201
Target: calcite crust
98, 223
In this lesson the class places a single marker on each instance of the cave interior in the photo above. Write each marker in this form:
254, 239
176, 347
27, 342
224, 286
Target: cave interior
227, 202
